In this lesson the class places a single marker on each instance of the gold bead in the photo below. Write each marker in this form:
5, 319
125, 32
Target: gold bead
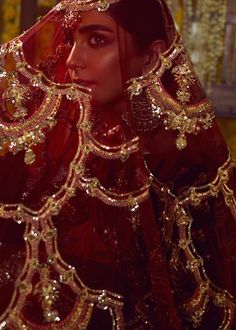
29, 157
181, 142
103, 5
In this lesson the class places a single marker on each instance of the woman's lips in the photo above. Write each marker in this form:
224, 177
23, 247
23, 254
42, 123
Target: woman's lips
84, 83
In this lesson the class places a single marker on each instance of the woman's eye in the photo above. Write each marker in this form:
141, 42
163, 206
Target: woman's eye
97, 40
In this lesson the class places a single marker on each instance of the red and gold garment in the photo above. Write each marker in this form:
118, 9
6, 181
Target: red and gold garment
109, 227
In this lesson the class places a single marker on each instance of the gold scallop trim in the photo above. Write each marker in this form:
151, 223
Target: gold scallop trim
43, 231
178, 205
196, 307
39, 227
195, 195
162, 108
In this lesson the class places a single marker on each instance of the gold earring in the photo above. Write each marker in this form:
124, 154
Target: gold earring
146, 111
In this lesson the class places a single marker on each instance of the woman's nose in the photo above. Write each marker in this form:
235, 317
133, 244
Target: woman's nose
76, 58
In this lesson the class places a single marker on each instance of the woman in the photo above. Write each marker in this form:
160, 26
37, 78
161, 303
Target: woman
117, 199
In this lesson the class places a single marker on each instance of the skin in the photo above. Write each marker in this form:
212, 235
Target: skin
104, 56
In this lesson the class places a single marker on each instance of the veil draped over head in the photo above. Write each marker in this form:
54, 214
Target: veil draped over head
112, 217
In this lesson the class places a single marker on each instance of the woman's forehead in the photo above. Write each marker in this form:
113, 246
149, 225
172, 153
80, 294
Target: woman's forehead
97, 18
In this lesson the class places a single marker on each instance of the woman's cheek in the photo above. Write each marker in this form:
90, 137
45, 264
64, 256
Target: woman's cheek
106, 72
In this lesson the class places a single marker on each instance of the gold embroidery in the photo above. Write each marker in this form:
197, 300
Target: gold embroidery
16, 94
47, 291
183, 74
84, 5
47, 288
39, 227
163, 109
178, 206
195, 195
196, 307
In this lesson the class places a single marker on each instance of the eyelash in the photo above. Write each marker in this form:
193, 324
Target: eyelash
100, 42
99, 38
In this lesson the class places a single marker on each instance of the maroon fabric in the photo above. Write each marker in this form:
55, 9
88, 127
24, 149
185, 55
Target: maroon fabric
108, 249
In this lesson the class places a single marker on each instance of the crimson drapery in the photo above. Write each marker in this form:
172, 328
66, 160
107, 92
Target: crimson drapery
111, 225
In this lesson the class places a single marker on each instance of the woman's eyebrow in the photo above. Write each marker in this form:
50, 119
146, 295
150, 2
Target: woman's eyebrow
94, 27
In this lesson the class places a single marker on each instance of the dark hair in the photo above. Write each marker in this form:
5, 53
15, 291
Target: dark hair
144, 19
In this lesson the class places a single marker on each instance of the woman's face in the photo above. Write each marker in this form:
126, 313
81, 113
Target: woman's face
103, 57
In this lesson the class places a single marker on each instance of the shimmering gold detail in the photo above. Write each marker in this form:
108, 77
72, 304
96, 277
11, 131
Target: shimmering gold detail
48, 292
22, 135
84, 5
24, 288
181, 142
54, 95
38, 79
16, 95
192, 18
173, 115
48, 286
184, 76
29, 157
135, 88
196, 307
122, 151
103, 5
205, 290
39, 228
134, 216
136, 85
1, 210
195, 195
19, 215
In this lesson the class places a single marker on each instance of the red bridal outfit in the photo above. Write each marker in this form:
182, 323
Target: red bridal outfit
125, 225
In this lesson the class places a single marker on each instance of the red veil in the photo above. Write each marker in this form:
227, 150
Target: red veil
111, 226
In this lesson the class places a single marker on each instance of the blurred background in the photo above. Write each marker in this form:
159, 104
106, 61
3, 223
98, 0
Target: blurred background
208, 28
